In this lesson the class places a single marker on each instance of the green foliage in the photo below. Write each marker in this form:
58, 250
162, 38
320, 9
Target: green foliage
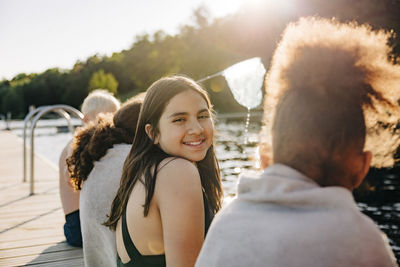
13, 101
45, 89
103, 80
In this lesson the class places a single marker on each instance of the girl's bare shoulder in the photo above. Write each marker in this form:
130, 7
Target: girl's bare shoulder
176, 171
176, 164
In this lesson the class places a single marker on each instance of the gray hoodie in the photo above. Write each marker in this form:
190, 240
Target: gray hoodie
281, 218
97, 194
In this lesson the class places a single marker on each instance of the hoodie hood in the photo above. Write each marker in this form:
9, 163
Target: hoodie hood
283, 185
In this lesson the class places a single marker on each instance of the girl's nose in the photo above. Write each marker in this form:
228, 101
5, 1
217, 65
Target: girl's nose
195, 128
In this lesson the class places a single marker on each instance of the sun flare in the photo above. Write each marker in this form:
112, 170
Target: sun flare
227, 6
273, 4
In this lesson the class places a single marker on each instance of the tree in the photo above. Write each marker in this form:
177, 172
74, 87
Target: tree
103, 80
45, 88
13, 102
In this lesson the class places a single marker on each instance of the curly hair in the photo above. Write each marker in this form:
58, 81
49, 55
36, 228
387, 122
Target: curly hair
331, 86
92, 141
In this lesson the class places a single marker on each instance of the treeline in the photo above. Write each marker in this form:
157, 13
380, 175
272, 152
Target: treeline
205, 47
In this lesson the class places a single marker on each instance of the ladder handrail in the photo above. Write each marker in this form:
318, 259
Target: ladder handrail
27, 119
62, 110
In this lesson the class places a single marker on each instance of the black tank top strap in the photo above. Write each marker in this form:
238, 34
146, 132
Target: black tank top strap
208, 214
128, 243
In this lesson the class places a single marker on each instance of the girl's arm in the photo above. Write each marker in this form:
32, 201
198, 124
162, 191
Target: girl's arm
178, 195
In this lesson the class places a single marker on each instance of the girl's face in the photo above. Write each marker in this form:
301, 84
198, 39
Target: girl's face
186, 128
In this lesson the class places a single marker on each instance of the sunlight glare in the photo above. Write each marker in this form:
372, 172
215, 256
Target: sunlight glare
226, 6
258, 2
286, 5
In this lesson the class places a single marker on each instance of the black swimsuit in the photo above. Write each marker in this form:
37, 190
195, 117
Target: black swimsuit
137, 259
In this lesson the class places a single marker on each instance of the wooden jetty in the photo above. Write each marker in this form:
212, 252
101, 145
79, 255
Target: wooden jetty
31, 227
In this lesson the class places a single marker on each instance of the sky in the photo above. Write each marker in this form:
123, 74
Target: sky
36, 35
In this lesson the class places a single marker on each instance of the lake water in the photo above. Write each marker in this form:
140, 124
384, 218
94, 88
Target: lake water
235, 155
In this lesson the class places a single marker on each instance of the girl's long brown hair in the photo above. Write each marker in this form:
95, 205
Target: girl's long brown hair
92, 141
144, 156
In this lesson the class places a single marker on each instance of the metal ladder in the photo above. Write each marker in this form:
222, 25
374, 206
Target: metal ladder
32, 118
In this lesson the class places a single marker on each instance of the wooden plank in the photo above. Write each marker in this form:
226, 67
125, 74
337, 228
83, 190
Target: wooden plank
46, 240
43, 257
38, 221
47, 212
21, 233
35, 249
51, 214
35, 202
61, 263
20, 206
31, 227
24, 213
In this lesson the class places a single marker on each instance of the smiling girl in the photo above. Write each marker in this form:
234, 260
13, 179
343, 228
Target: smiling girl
170, 187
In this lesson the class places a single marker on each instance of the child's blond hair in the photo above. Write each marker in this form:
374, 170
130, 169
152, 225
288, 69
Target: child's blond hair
99, 101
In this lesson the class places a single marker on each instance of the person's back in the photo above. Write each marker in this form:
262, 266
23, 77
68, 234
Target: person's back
96, 163
282, 218
66, 193
327, 90
96, 197
69, 201
98, 101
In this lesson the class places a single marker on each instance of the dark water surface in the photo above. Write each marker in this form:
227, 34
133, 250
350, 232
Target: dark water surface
382, 203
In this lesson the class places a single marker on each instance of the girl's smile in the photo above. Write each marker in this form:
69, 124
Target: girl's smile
194, 143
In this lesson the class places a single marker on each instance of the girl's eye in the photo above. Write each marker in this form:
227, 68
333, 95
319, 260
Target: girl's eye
204, 116
178, 120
